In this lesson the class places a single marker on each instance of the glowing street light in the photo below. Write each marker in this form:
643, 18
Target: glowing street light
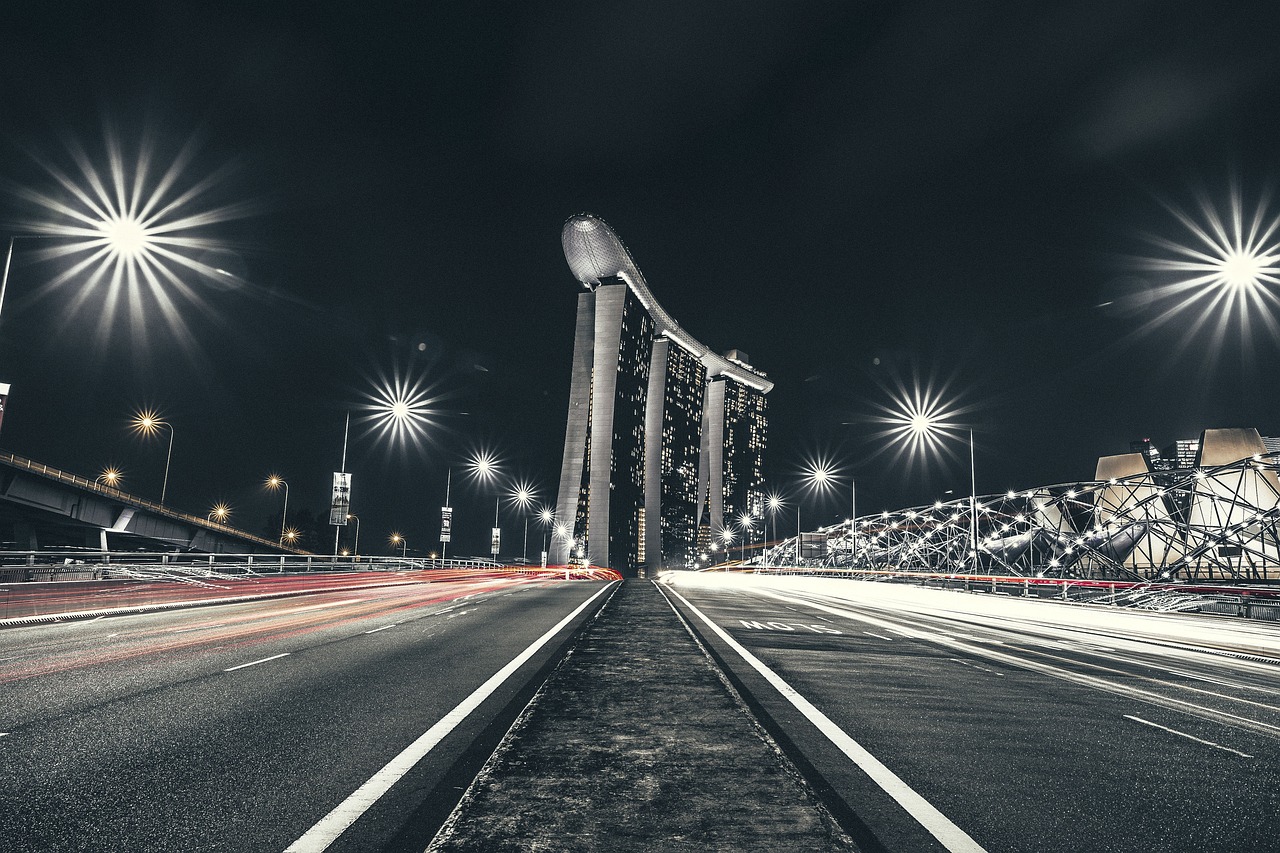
147, 423
355, 547
745, 522
817, 476
219, 513
290, 536
274, 483
1225, 265
773, 503
483, 468
110, 477
397, 539
135, 230
522, 497
548, 517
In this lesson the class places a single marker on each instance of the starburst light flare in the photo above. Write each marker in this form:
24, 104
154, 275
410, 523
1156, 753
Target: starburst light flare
1224, 272
131, 238
401, 409
920, 422
483, 466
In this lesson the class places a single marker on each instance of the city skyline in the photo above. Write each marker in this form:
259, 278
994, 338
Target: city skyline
864, 198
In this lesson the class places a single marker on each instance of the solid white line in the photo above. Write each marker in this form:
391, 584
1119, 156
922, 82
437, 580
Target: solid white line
256, 662
925, 813
376, 630
1185, 735
332, 825
878, 636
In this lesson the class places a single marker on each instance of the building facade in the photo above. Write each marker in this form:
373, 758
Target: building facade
663, 436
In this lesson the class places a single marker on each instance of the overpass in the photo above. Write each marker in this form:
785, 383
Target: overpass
43, 508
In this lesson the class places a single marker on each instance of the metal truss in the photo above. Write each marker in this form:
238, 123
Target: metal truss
1207, 524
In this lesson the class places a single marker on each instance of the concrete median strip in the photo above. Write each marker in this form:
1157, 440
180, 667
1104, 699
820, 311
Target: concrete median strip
635, 743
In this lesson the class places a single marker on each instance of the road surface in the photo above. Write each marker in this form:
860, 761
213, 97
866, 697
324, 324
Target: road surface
241, 727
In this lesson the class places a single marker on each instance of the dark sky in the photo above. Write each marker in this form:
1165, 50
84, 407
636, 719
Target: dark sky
856, 194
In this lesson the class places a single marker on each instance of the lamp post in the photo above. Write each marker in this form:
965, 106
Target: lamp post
928, 428
744, 521
772, 504
547, 517
273, 483
522, 497
355, 548
397, 539
110, 477
219, 513
483, 468
147, 423
819, 476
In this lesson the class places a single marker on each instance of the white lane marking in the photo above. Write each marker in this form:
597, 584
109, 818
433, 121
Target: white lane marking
975, 666
199, 627
878, 636
1189, 737
1094, 682
4, 734
332, 825
925, 813
326, 604
256, 662
383, 628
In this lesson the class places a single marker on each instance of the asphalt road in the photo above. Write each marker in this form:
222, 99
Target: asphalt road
240, 727
944, 721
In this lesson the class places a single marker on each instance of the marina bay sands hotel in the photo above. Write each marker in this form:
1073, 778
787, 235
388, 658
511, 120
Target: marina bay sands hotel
664, 445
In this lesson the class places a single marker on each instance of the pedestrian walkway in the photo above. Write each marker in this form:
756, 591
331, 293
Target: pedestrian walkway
636, 744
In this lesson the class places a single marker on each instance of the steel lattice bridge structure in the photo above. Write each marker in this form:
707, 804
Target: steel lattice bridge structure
1219, 523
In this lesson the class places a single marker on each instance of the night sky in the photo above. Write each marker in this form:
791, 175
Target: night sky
858, 195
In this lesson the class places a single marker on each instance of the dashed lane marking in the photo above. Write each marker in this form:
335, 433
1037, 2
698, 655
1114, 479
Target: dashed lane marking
878, 636
383, 628
1187, 736
256, 662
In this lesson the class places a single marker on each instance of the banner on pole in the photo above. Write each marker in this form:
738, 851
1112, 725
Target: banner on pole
340, 508
446, 523
496, 544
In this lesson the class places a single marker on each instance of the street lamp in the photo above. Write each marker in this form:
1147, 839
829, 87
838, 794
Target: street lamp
522, 497
744, 521
110, 477
773, 503
925, 428
147, 423
483, 468
275, 482
818, 476
726, 536
219, 513
397, 539
355, 548
548, 517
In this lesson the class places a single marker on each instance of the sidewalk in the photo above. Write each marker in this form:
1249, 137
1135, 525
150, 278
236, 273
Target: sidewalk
635, 744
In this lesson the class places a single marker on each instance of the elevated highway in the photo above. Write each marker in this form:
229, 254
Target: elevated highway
43, 508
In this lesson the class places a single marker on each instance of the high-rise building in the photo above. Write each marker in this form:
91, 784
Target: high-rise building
662, 433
